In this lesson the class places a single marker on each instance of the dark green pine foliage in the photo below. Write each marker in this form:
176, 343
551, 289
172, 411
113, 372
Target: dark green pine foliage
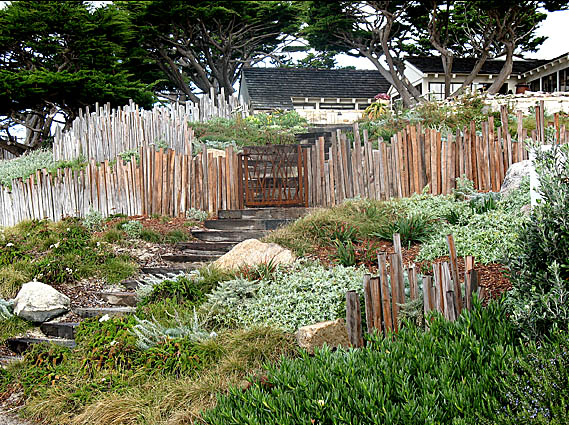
204, 45
62, 56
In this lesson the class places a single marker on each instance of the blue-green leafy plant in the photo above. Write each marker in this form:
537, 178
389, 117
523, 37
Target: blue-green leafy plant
304, 294
132, 228
93, 220
196, 214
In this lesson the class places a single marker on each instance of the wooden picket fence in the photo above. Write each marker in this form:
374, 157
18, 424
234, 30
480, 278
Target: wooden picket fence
385, 293
105, 132
162, 182
5, 155
418, 157
171, 181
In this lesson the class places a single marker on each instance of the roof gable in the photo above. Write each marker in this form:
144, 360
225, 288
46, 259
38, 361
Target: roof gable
272, 88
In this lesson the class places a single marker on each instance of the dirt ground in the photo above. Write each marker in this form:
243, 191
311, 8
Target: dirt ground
7, 418
492, 277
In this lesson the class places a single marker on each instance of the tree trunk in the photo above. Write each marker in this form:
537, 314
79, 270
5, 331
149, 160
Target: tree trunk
505, 71
472, 75
447, 66
14, 148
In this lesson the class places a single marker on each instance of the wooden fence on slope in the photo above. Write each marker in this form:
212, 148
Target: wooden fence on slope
169, 182
105, 132
398, 283
4, 154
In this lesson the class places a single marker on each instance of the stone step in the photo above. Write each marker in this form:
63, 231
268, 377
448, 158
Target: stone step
128, 299
192, 257
205, 246
8, 360
163, 271
64, 330
228, 236
88, 312
235, 224
131, 284
290, 213
20, 345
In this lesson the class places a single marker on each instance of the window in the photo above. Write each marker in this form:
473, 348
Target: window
550, 83
437, 90
347, 106
534, 85
564, 80
503, 89
305, 106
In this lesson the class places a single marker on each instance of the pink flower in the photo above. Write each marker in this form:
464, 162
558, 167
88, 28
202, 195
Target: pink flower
383, 96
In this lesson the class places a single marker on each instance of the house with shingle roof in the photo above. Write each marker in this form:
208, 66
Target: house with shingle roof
339, 96
323, 96
427, 75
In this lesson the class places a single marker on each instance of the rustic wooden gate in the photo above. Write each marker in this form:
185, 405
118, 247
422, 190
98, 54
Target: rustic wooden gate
273, 175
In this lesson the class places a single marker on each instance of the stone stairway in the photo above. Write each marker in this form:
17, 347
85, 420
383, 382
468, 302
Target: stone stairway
218, 237
234, 226
114, 303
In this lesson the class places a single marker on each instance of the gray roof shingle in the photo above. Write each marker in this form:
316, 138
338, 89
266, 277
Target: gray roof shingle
272, 88
433, 64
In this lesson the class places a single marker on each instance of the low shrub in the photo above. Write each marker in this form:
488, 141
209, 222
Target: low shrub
446, 375
26, 165
303, 294
540, 267
537, 390
132, 228
489, 235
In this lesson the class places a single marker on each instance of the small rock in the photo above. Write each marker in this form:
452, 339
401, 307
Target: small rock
514, 176
38, 302
252, 252
333, 333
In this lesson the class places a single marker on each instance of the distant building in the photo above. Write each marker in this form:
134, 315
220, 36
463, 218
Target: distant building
322, 96
427, 75
338, 96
